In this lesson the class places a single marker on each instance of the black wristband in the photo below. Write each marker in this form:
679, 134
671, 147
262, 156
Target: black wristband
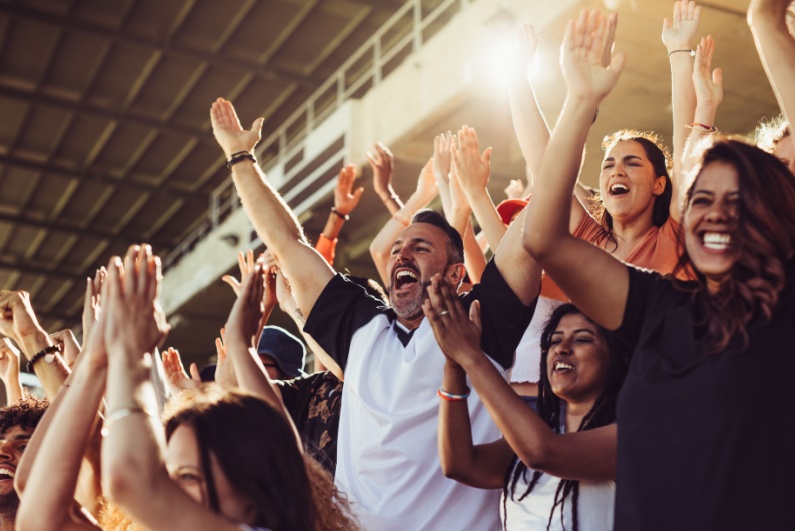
341, 216
238, 157
49, 350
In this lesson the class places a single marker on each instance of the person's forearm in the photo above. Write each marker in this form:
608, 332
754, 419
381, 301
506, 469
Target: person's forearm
487, 216
53, 477
270, 215
13, 389
473, 257
776, 49
550, 208
683, 98
333, 225
532, 130
390, 199
131, 450
456, 449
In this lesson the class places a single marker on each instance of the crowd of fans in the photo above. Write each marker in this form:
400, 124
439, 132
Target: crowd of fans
619, 362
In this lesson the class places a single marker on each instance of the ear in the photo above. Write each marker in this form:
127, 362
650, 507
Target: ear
455, 273
659, 185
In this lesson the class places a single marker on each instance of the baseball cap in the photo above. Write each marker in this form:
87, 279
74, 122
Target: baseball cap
286, 350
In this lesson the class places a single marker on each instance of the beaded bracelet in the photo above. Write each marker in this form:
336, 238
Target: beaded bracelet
691, 52
441, 393
238, 157
340, 215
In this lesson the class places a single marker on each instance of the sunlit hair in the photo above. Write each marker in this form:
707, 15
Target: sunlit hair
763, 240
256, 449
770, 133
660, 160
602, 413
24, 414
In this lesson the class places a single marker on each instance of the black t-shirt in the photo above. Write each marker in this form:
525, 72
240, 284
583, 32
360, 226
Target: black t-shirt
704, 441
314, 404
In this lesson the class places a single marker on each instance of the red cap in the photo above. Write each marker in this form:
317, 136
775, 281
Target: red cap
510, 208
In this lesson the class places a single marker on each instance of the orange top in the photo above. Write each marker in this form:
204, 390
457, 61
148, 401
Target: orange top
326, 248
657, 250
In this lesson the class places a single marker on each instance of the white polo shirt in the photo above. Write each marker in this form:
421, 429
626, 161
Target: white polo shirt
387, 457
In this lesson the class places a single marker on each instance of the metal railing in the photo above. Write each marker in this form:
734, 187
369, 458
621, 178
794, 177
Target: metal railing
400, 36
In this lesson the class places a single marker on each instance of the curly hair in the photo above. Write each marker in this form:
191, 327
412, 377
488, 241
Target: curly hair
660, 159
602, 413
24, 413
770, 133
763, 238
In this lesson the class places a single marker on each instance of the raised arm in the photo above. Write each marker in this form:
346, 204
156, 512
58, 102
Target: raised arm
134, 473
19, 322
345, 201
241, 327
588, 455
529, 123
597, 283
678, 36
708, 85
459, 215
272, 218
383, 166
776, 47
381, 246
47, 477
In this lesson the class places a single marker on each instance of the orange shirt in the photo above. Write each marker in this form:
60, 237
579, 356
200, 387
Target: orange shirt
657, 250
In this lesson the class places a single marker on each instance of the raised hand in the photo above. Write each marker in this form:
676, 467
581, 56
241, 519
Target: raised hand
457, 333
458, 199
471, 167
345, 197
176, 377
224, 371
244, 319
228, 132
91, 302
135, 322
17, 319
708, 83
383, 165
426, 182
70, 348
524, 53
680, 34
442, 157
515, 189
245, 260
584, 46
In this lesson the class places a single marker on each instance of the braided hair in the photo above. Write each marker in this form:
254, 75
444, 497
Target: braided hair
602, 413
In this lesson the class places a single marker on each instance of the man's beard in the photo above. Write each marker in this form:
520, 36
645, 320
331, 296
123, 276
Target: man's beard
9, 503
409, 308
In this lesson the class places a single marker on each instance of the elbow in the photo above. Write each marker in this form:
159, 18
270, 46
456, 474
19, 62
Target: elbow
451, 470
31, 517
20, 482
536, 458
123, 479
537, 244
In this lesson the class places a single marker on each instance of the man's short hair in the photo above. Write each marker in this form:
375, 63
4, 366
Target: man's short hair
455, 245
25, 414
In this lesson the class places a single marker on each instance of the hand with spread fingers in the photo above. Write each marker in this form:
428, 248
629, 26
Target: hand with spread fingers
345, 197
524, 53
135, 322
243, 324
383, 165
18, 321
680, 33
582, 54
245, 261
708, 83
457, 332
471, 167
9, 370
176, 377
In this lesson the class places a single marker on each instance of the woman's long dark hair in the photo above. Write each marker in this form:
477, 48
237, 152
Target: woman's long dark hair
602, 413
763, 238
659, 158
256, 448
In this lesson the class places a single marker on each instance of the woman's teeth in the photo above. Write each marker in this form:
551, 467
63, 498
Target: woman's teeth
716, 241
619, 189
